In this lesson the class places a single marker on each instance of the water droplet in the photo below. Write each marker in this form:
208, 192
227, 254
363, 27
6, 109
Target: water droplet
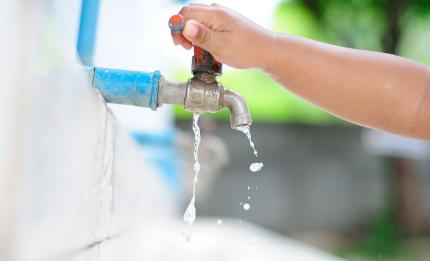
246, 206
256, 166
219, 221
249, 187
249, 197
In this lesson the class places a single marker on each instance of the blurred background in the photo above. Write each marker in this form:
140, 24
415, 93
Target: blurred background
356, 193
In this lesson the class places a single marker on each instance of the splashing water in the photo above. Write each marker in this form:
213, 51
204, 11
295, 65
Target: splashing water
190, 213
256, 166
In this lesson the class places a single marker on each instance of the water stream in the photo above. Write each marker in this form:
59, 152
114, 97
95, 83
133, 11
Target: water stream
246, 129
255, 166
190, 213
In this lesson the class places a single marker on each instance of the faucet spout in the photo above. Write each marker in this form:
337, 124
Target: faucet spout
239, 113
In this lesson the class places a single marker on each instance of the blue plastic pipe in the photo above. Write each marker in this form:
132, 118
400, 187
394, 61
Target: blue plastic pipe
116, 86
87, 30
128, 87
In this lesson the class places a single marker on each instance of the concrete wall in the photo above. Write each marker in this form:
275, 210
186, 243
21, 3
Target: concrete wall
69, 175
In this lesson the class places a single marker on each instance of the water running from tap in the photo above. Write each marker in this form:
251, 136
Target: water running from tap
247, 131
190, 213
256, 166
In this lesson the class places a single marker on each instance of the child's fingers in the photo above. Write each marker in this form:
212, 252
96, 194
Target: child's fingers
187, 45
175, 41
179, 39
199, 12
200, 35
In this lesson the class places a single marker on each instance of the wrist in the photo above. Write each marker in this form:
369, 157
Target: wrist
269, 49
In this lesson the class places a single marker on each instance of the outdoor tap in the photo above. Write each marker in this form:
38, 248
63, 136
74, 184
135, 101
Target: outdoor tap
201, 93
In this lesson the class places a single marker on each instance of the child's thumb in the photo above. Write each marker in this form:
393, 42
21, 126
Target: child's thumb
200, 35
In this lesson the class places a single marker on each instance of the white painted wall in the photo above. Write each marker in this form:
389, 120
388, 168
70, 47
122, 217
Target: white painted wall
69, 174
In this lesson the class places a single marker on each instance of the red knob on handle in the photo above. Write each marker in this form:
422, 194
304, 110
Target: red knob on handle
177, 23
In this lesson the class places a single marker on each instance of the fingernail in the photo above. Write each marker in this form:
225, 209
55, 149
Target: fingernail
191, 29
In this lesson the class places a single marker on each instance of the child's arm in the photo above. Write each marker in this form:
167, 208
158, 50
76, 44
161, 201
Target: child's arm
373, 89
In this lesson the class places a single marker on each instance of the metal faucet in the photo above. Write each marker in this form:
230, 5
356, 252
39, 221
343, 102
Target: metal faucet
202, 93
201, 96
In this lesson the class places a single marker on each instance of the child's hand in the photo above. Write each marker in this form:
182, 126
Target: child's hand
231, 38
